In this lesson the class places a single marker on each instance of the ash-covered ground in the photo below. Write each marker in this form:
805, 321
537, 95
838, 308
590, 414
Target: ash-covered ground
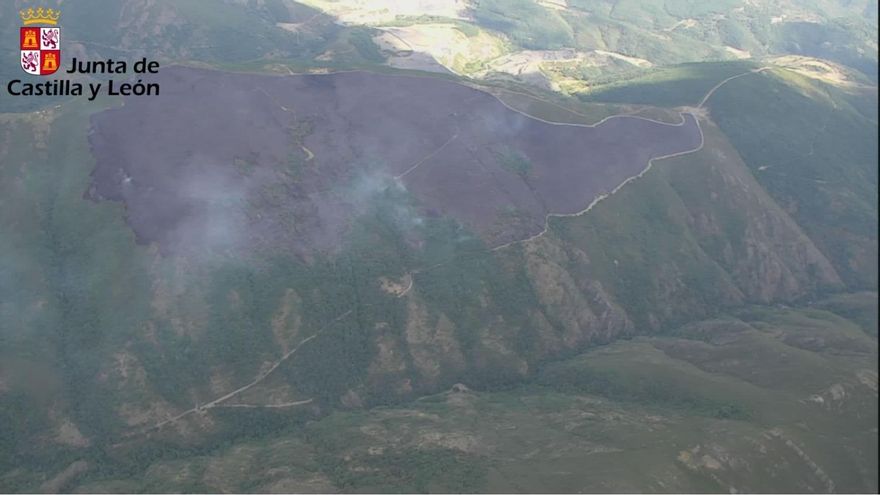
241, 161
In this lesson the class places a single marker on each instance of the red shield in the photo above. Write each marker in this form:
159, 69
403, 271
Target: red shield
40, 50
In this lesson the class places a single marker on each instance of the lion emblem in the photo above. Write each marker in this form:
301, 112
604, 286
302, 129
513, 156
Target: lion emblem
30, 62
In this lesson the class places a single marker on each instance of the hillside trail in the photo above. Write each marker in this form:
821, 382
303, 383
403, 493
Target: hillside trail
632, 113
695, 112
725, 81
218, 402
260, 377
623, 115
426, 158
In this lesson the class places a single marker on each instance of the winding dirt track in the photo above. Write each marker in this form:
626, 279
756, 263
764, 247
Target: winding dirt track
426, 158
262, 376
694, 113
617, 188
725, 81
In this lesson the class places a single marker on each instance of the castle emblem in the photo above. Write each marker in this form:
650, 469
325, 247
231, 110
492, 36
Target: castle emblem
40, 41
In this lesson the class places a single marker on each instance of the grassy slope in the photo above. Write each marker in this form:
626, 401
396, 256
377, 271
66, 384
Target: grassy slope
811, 145
819, 161
670, 86
860, 307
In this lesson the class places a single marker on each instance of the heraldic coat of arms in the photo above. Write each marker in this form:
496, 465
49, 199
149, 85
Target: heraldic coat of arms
40, 41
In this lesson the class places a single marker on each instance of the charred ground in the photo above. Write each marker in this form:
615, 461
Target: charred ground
224, 160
